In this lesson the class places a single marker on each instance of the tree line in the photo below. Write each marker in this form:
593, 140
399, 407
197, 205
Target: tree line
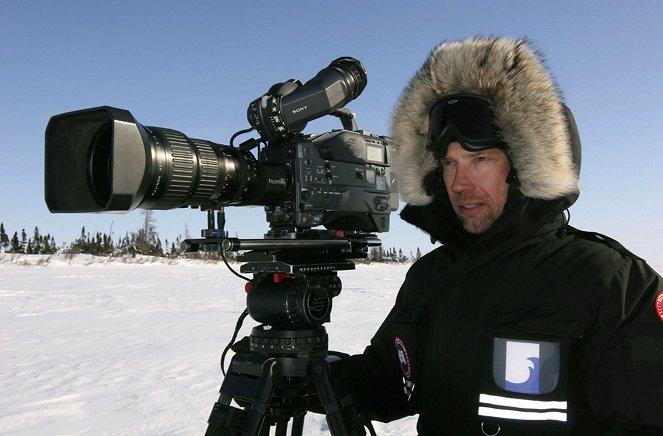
391, 255
35, 244
144, 241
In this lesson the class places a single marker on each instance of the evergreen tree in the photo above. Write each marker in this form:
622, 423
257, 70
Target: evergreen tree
98, 244
123, 243
147, 240
24, 240
178, 246
37, 242
48, 245
15, 245
140, 244
53, 247
418, 255
149, 224
107, 245
4, 238
82, 244
376, 254
158, 249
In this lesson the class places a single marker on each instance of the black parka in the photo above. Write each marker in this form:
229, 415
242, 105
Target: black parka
532, 327
584, 303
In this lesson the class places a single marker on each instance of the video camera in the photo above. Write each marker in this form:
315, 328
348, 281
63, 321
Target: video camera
103, 160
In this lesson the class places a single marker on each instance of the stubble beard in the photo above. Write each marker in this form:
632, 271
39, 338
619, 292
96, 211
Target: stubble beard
480, 225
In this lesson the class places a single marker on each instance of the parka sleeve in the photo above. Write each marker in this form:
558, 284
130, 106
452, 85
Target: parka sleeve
376, 374
623, 354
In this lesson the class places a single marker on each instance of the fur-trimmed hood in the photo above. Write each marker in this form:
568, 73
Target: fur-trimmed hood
529, 112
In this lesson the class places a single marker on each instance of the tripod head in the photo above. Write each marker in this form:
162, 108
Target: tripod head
294, 280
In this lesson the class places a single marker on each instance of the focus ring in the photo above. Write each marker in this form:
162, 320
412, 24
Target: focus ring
183, 170
208, 171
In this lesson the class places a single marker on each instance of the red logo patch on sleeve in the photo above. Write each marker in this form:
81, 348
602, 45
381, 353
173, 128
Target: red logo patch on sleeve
658, 305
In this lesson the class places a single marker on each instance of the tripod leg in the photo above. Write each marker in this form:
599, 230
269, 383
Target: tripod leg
281, 428
227, 420
342, 417
224, 418
256, 413
297, 426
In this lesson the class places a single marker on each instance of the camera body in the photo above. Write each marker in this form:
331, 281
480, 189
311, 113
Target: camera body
340, 180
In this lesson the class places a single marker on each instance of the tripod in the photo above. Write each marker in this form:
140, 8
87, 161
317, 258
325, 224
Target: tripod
275, 382
281, 371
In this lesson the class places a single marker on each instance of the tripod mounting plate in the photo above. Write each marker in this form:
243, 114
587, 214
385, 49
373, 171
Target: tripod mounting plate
262, 262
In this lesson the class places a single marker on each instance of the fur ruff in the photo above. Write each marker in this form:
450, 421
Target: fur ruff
528, 111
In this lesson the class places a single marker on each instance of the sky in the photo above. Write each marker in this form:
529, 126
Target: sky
195, 67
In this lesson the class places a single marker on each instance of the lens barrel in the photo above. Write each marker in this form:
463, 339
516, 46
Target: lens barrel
102, 159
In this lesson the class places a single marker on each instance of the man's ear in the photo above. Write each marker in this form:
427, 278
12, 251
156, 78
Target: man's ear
512, 178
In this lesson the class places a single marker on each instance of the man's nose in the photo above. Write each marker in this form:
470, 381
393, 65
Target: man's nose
462, 180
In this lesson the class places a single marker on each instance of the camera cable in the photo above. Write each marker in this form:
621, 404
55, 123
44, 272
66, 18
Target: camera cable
240, 320
238, 326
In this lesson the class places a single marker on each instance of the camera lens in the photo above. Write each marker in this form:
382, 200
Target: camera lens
190, 172
102, 159
100, 164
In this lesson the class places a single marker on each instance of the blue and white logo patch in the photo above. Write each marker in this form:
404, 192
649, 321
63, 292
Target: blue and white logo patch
526, 367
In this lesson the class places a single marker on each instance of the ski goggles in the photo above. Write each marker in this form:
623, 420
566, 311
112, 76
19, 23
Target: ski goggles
466, 118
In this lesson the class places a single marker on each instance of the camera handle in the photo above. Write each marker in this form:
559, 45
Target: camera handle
347, 119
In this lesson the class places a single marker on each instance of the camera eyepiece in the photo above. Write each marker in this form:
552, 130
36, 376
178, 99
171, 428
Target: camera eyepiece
286, 109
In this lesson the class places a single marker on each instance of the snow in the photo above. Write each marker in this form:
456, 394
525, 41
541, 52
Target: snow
109, 346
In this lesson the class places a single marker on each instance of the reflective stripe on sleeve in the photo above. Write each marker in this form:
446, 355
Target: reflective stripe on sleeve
520, 409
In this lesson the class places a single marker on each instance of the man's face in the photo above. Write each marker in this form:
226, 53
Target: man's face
476, 185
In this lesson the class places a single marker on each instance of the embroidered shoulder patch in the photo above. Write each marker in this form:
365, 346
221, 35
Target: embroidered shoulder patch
658, 305
403, 357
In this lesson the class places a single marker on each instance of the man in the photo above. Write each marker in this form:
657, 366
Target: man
518, 323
